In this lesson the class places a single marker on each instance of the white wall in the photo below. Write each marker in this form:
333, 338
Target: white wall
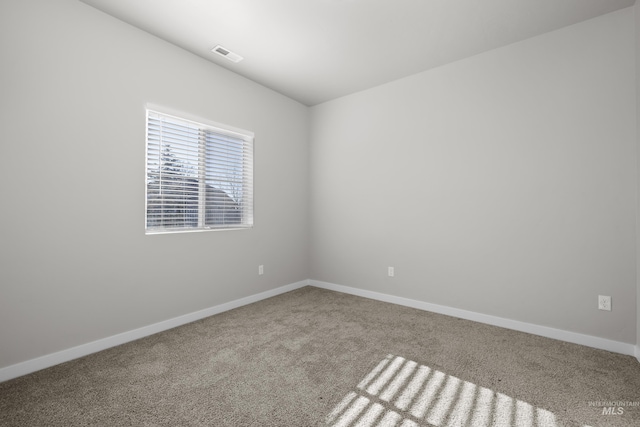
503, 184
75, 264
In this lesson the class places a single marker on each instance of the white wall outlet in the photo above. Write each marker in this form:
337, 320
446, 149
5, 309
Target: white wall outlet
260, 270
604, 302
391, 271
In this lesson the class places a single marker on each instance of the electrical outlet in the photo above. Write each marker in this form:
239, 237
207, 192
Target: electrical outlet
260, 270
604, 302
391, 272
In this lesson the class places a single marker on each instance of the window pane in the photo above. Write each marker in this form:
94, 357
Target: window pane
198, 177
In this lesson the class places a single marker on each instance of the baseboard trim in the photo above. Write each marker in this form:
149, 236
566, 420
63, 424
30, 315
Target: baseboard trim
558, 334
33, 365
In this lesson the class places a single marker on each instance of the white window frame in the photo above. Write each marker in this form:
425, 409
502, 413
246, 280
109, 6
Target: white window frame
207, 127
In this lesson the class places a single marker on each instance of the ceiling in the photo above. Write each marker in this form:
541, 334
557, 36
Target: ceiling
317, 50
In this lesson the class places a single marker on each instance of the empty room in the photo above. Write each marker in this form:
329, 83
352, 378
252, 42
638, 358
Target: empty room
320, 213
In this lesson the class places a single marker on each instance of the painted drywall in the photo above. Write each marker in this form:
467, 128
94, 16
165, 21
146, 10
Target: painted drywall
502, 184
75, 263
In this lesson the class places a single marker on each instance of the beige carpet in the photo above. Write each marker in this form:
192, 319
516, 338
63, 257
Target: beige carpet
313, 357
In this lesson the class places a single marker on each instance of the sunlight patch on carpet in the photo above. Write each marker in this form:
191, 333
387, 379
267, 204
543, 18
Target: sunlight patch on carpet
400, 392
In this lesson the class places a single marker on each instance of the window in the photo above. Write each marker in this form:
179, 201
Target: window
199, 175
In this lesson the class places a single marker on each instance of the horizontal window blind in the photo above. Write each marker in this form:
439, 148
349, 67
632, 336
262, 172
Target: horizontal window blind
199, 177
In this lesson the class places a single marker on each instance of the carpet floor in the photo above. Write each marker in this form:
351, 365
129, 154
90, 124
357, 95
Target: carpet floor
314, 357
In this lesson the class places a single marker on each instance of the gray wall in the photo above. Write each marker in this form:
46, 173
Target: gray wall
503, 184
75, 264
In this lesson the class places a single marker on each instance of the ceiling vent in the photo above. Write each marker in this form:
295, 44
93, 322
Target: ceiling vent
222, 51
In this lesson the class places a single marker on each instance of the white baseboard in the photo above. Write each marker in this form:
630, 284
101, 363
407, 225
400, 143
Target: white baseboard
52, 359
558, 334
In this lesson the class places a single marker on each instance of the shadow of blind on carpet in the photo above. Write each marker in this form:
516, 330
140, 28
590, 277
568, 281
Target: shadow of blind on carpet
400, 392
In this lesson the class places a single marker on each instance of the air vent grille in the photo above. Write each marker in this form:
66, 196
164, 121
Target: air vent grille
222, 51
